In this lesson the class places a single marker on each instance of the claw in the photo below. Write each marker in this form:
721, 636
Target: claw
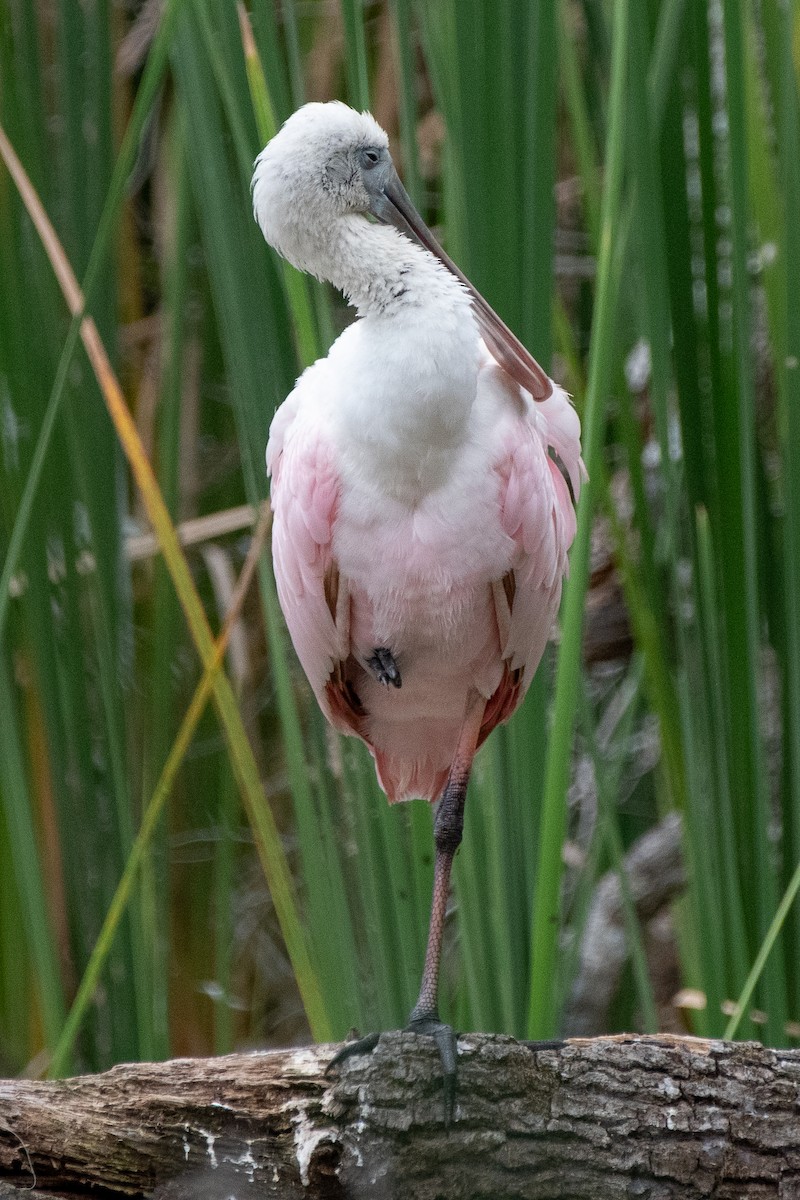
384, 668
424, 1026
547, 1044
364, 1045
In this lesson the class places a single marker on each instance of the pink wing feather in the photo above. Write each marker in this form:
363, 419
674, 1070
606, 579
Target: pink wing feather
305, 491
537, 512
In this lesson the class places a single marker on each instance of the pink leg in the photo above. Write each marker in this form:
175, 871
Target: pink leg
448, 828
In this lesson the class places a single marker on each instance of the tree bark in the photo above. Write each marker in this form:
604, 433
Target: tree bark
602, 1118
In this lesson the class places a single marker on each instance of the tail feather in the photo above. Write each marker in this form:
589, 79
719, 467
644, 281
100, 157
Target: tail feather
404, 778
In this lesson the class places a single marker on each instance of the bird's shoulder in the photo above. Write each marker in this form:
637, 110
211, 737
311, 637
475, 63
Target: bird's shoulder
300, 424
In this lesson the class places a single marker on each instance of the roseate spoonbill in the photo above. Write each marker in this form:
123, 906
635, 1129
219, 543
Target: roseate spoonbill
423, 480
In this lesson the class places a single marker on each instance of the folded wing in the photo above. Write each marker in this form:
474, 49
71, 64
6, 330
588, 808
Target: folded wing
542, 453
305, 494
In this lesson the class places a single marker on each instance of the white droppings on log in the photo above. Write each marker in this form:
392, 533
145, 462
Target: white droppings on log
210, 1140
306, 1139
591, 1119
245, 1161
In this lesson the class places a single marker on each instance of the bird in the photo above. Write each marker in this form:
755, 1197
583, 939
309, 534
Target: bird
424, 482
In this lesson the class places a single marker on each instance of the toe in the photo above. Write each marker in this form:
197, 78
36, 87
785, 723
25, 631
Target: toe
363, 1045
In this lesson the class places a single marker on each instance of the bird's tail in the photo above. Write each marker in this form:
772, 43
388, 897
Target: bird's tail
404, 778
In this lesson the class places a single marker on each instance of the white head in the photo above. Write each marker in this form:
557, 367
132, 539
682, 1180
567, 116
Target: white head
329, 162
325, 162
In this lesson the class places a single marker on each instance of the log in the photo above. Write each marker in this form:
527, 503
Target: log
601, 1118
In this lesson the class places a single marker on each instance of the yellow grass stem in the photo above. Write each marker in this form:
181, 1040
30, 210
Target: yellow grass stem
267, 839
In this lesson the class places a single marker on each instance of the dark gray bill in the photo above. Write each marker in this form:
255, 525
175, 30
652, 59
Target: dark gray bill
393, 207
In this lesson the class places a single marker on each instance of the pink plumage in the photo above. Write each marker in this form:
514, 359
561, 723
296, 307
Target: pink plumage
462, 585
422, 514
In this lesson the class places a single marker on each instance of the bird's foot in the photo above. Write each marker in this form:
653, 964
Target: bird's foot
384, 668
426, 1025
430, 1025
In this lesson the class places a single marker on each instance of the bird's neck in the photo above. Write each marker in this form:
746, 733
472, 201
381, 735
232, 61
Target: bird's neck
412, 359
381, 272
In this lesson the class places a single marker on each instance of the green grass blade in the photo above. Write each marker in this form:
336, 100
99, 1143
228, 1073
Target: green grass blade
650, 225
160, 720
293, 53
546, 911
403, 30
309, 344
763, 955
26, 864
154, 809
789, 368
151, 81
268, 843
737, 533
580, 126
356, 55
538, 180
248, 295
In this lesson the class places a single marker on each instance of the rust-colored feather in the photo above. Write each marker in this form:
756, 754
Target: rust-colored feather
344, 701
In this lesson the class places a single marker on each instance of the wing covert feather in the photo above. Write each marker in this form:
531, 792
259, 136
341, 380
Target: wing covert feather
537, 512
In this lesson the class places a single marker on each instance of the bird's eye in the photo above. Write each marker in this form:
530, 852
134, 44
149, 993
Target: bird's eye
370, 157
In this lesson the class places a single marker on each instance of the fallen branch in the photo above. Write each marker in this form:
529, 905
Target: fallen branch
603, 1118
